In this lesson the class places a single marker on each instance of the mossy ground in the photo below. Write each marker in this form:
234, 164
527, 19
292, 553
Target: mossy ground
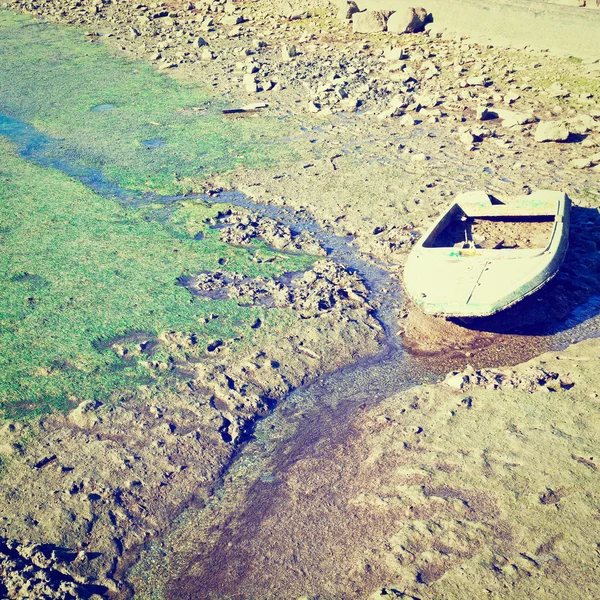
150, 138
78, 269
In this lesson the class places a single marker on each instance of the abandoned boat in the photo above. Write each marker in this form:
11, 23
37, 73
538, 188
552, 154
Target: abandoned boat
482, 256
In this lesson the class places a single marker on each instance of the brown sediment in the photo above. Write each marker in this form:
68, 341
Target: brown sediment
433, 488
496, 233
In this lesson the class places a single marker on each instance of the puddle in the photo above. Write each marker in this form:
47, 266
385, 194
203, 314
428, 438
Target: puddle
154, 143
102, 107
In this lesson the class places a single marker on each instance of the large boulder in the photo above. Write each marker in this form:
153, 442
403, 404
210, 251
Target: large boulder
411, 20
370, 21
512, 118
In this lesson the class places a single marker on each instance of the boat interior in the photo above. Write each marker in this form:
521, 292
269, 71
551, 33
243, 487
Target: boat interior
494, 227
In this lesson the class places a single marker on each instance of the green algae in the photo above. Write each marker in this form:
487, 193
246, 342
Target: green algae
78, 270
53, 78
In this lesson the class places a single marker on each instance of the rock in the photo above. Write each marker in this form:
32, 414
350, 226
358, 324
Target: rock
410, 21
480, 80
510, 118
350, 104
430, 73
483, 114
582, 124
347, 8
398, 101
419, 157
481, 133
393, 53
250, 84
456, 380
426, 100
341, 93
552, 131
370, 21
386, 114
207, 55
287, 11
407, 121
581, 163
207, 25
467, 138
288, 52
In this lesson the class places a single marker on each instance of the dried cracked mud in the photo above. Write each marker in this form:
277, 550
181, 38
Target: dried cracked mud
373, 482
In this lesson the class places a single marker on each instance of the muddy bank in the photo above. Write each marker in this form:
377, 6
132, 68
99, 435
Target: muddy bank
104, 478
96, 482
435, 492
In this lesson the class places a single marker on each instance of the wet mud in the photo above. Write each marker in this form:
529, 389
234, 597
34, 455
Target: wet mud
403, 492
206, 554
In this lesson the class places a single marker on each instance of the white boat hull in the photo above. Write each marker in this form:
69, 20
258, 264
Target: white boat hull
475, 282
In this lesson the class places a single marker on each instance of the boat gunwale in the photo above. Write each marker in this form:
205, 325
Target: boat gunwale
441, 223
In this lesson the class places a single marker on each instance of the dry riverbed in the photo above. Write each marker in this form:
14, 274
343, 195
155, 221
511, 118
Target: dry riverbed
483, 486
484, 483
